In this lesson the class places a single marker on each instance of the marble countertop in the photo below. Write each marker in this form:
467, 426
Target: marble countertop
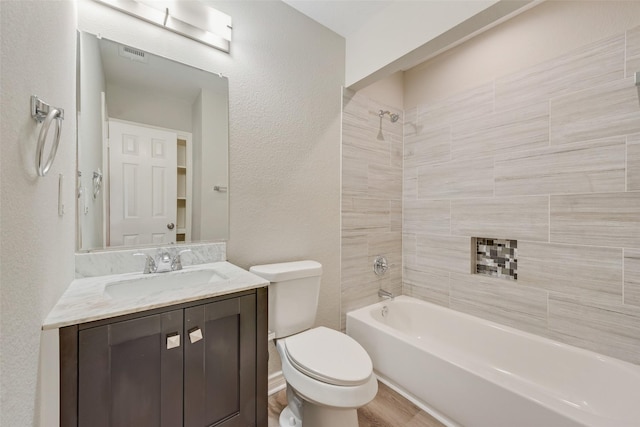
85, 299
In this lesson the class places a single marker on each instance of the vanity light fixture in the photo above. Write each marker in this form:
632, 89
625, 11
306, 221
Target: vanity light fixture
192, 19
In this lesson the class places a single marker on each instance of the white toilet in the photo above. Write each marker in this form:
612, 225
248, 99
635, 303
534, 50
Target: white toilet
328, 374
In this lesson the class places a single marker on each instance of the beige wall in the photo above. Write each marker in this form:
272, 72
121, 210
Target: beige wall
547, 155
37, 47
544, 32
284, 149
389, 90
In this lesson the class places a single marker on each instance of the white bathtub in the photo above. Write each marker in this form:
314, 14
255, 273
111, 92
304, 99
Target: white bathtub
471, 372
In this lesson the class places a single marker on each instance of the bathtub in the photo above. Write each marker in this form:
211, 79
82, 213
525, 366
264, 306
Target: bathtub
470, 372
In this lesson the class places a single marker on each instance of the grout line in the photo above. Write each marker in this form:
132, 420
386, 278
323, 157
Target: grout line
549, 218
624, 63
626, 159
623, 283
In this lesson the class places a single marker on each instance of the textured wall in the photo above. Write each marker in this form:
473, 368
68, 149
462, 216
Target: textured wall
36, 245
371, 200
284, 133
547, 155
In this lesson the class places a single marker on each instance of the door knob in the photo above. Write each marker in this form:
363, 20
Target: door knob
170, 226
195, 335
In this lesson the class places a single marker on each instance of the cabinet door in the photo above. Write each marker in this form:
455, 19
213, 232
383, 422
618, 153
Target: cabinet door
128, 377
220, 368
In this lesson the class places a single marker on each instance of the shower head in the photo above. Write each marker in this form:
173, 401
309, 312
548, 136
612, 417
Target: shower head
392, 116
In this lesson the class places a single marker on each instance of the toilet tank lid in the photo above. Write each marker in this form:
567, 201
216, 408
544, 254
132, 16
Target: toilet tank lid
287, 270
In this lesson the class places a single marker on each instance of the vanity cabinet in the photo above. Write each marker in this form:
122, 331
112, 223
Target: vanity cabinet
191, 365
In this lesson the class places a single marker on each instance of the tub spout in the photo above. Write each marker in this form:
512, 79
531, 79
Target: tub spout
385, 294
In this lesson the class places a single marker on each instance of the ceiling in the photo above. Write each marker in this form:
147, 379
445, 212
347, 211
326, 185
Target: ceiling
386, 36
341, 16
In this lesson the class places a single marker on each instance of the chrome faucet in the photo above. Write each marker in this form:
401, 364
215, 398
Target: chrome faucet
163, 263
150, 265
176, 263
385, 294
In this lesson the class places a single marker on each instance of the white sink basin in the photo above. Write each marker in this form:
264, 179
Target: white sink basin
150, 284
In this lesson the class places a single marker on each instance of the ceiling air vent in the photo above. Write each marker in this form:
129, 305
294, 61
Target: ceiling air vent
133, 54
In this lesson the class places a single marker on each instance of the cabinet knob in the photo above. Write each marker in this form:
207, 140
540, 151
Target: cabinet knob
195, 335
173, 341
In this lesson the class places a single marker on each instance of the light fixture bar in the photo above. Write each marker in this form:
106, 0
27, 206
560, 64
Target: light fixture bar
218, 37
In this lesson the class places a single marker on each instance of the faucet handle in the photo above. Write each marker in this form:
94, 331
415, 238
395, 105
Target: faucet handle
163, 255
380, 265
176, 263
149, 265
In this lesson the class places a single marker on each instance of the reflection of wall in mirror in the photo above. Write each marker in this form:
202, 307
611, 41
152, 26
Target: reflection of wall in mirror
90, 131
211, 212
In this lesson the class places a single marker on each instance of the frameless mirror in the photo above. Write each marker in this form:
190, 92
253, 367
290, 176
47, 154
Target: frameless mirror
152, 149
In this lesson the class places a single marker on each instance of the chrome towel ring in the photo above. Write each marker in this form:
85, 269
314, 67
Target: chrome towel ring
45, 114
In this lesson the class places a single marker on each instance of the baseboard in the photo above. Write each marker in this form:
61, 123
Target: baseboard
276, 382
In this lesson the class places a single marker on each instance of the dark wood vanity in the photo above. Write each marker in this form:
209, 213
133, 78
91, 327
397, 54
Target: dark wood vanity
196, 364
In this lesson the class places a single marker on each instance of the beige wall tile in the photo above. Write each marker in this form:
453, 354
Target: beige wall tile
605, 219
597, 112
410, 183
355, 173
354, 258
597, 166
409, 250
633, 51
410, 124
387, 244
427, 284
360, 144
463, 106
633, 162
632, 277
449, 253
582, 271
506, 131
613, 330
429, 145
583, 68
384, 182
395, 215
500, 301
361, 215
397, 152
523, 217
360, 110
456, 179
427, 216
354, 108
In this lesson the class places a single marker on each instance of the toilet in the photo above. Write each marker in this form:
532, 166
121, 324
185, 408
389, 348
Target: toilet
328, 374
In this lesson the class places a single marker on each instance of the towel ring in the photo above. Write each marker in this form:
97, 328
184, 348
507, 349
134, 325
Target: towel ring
43, 112
54, 114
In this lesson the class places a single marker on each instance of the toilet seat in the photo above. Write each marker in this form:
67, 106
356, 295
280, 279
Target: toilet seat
329, 356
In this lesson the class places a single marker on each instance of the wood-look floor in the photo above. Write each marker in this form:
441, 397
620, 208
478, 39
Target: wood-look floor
388, 409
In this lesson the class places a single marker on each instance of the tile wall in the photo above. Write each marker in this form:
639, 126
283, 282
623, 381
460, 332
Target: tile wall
548, 156
371, 201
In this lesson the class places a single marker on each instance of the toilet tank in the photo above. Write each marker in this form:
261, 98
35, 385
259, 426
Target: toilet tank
293, 295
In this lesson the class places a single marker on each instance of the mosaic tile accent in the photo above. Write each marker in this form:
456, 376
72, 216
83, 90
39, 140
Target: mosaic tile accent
496, 257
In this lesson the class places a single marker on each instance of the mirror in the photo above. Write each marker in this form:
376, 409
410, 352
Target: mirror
152, 149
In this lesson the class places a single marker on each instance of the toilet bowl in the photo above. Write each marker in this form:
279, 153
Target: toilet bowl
328, 374
331, 373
